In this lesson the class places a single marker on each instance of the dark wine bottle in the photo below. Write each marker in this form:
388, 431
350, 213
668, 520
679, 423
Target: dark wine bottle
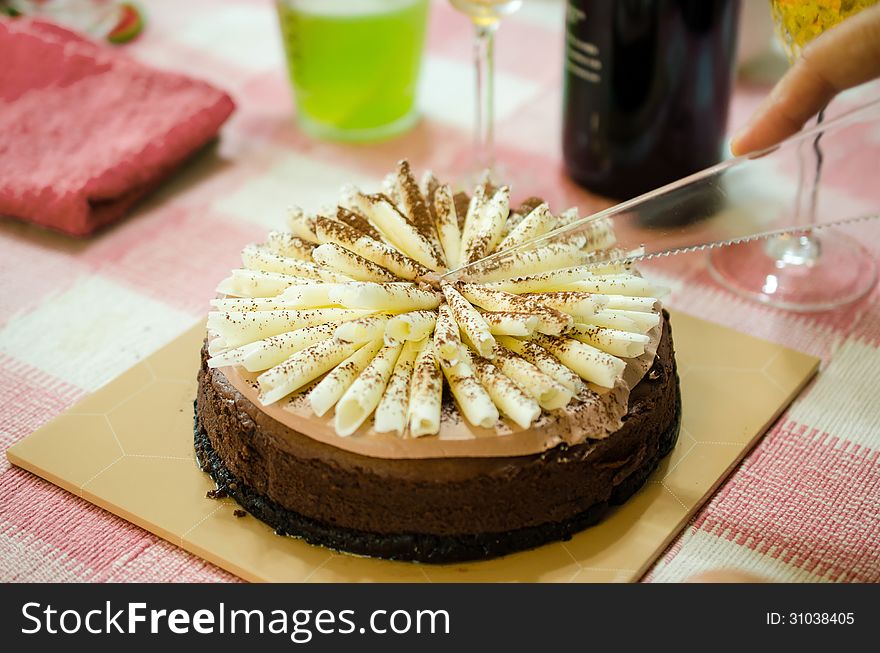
647, 88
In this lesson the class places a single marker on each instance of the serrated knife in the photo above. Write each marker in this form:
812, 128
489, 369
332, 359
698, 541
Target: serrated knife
739, 200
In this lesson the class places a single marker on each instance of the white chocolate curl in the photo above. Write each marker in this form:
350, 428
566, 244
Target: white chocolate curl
350, 264
470, 322
558, 279
610, 321
528, 262
507, 397
447, 339
425, 394
486, 227
593, 236
587, 362
236, 328
252, 283
632, 321
611, 341
389, 187
364, 394
301, 225
549, 394
303, 367
382, 254
325, 395
255, 258
415, 325
385, 297
399, 231
545, 362
279, 303
363, 329
274, 350
315, 295
471, 219
640, 304
413, 206
474, 402
510, 324
391, 413
575, 303
285, 243
618, 284
538, 221
643, 321
550, 320
446, 222
354, 220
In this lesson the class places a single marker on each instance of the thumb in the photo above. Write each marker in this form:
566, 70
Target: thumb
845, 56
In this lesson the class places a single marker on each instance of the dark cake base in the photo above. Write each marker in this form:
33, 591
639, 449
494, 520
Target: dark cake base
420, 547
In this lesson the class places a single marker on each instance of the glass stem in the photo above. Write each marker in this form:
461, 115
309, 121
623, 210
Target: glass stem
484, 56
817, 172
803, 249
806, 248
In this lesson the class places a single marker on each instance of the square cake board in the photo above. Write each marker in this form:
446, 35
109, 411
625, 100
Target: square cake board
128, 448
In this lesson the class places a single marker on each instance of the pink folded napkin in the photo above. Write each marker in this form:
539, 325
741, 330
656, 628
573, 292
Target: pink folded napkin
86, 131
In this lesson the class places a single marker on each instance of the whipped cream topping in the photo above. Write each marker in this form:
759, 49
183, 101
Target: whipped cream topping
342, 328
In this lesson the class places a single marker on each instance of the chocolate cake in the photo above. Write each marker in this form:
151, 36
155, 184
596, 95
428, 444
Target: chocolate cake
475, 414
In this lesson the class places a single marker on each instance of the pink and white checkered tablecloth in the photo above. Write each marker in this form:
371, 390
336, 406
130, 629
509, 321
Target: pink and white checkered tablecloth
803, 506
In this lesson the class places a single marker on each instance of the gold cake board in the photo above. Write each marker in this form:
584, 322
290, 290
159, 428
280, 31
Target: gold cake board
128, 448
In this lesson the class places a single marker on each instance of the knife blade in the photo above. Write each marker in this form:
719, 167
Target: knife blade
739, 200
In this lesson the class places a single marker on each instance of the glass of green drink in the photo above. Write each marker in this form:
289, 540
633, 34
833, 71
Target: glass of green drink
354, 64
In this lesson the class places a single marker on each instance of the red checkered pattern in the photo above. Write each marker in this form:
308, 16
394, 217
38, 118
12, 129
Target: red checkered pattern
803, 506
799, 474
28, 399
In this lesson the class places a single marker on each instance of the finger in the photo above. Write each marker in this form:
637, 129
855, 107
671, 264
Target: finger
845, 56
725, 576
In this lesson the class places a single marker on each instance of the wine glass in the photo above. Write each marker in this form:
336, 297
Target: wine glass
738, 200
485, 15
802, 272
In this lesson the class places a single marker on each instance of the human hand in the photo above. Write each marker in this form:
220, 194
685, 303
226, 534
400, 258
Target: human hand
845, 56
725, 576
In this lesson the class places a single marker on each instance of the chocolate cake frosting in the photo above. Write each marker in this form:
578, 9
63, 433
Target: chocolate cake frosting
430, 510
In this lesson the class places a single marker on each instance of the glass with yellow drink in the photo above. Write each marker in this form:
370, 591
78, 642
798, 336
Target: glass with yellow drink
814, 270
800, 21
354, 64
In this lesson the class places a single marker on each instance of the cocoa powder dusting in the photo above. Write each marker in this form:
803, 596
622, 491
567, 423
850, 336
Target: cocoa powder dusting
357, 221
